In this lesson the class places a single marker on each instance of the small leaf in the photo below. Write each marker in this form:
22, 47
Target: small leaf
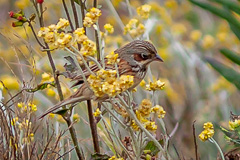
231, 55
230, 74
152, 147
41, 87
61, 112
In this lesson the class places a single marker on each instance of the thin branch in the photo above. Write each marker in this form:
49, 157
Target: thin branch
195, 141
67, 13
75, 13
35, 35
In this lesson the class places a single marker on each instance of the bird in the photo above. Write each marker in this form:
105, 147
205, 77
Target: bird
134, 59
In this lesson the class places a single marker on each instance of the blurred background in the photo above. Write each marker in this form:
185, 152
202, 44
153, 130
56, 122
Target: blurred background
184, 34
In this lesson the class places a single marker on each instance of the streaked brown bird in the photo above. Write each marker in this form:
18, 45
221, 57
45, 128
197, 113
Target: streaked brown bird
134, 60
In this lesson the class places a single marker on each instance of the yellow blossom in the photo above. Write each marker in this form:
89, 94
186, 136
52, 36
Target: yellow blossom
172, 4
234, 124
109, 28
91, 17
135, 126
33, 107
208, 42
144, 11
43, 31
10, 82
62, 23
64, 40
51, 115
145, 107
157, 85
195, 35
88, 48
142, 83
178, 29
20, 105
97, 112
14, 120
159, 111
112, 58
76, 117
150, 125
208, 131
134, 28
51, 92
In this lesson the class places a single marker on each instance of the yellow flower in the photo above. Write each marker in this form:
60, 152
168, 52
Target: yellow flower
208, 42
159, 111
234, 124
178, 29
112, 58
150, 125
62, 23
51, 92
20, 105
145, 108
208, 131
46, 78
195, 35
135, 126
142, 83
88, 48
33, 107
157, 85
76, 117
91, 17
134, 28
43, 31
64, 40
109, 28
10, 82
172, 4
51, 115
97, 113
144, 11
14, 120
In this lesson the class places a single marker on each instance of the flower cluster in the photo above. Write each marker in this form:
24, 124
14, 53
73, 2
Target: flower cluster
156, 85
112, 58
144, 11
208, 131
92, 17
144, 111
27, 108
109, 28
25, 126
106, 82
97, 113
234, 124
57, 38
134, 28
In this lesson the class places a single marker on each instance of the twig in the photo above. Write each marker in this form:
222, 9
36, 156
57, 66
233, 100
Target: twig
35, 35
75, 13
195, 141
65, 153
67, 13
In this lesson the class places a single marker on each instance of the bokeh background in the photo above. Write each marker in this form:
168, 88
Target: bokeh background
184, 35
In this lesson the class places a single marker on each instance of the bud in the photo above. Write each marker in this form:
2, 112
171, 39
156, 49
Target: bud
21, 18
12, 14
40, 1
17, 24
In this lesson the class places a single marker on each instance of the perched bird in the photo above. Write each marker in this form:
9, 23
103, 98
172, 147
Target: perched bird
134, 59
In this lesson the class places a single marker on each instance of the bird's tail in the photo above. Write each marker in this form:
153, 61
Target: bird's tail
67, 101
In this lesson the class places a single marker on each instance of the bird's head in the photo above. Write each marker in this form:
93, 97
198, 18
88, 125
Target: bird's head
139, 52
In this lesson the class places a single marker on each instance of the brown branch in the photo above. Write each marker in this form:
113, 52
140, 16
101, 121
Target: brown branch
75, 14
195, 141
67, 13
35, 35
93, 127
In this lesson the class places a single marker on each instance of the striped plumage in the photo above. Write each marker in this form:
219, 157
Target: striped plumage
134, 59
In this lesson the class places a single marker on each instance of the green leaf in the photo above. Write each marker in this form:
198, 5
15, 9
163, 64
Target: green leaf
231, 55
152, 147
217, 11
41, 87
235, 30
230, 74
230, 4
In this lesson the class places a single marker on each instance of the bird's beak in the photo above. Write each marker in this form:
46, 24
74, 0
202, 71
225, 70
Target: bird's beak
158, 58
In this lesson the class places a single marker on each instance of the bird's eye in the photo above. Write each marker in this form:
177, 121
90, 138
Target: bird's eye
144, 56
